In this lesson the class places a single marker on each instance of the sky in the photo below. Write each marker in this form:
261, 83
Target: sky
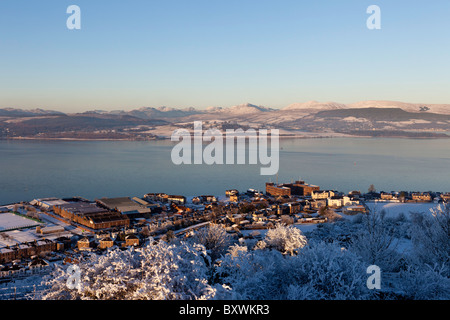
201, 53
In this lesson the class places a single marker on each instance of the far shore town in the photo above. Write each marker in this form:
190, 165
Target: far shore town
36, 234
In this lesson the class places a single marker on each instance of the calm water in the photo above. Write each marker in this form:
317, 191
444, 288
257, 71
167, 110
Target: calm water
94, 169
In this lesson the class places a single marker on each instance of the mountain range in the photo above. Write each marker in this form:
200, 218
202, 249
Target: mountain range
311, 116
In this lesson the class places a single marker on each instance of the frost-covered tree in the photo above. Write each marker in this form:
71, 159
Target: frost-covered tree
286, 239
327, 271
424, 283
430, 235
375, 242
214, 238
156, 272
319, 271
251, 275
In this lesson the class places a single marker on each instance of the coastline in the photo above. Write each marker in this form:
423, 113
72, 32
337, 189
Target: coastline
281, 136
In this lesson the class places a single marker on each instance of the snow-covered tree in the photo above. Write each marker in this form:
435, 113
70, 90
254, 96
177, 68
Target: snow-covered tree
156, 272
424, 283
375, 242
319, 271
327, 271
430, 235
214, 238
286, 239
251, 275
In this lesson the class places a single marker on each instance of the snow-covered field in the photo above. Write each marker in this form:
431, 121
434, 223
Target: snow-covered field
12, 221
394, 209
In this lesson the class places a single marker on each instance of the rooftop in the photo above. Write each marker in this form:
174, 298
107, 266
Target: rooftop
124, 205
82, 208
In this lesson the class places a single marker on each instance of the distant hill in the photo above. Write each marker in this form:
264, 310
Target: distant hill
382, 114
384, 117
315, 106
11, 112
52, 125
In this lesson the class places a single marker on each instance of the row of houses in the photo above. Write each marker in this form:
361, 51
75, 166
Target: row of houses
34, 266
28, 249
413, 196
165, 198
90, 243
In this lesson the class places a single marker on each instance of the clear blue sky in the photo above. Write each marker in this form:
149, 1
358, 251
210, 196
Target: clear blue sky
200, 53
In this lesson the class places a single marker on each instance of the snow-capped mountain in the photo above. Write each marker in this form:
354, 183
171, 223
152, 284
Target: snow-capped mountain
15, 112
315, 106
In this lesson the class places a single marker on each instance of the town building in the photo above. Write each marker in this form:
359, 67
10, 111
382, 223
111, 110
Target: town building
231, 192
131, 240
422, 197
352, 210
23, 250
335, 201
90, 215
322, 194
105, 243
125, 206
445, 196
298, 188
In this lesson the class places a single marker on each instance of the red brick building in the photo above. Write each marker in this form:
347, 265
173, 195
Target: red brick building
298, 188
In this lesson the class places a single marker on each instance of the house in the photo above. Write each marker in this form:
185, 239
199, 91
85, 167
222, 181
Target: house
446, 196
422, 197
348, 201
7, 254
335, 201
204, 199
289, 208
85, 243
355, 209
106, 242
355, 194
38, 263
315, 204
229, 193
176, 199
324, 194
237, 218
131, 240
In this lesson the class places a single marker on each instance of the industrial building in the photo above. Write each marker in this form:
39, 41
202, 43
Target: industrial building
126, 206
298, 188
91, 215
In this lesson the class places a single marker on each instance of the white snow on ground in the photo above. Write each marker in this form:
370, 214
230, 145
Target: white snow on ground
12, 221
306, 227
393, 209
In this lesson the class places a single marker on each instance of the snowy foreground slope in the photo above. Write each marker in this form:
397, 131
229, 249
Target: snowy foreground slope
410, 244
